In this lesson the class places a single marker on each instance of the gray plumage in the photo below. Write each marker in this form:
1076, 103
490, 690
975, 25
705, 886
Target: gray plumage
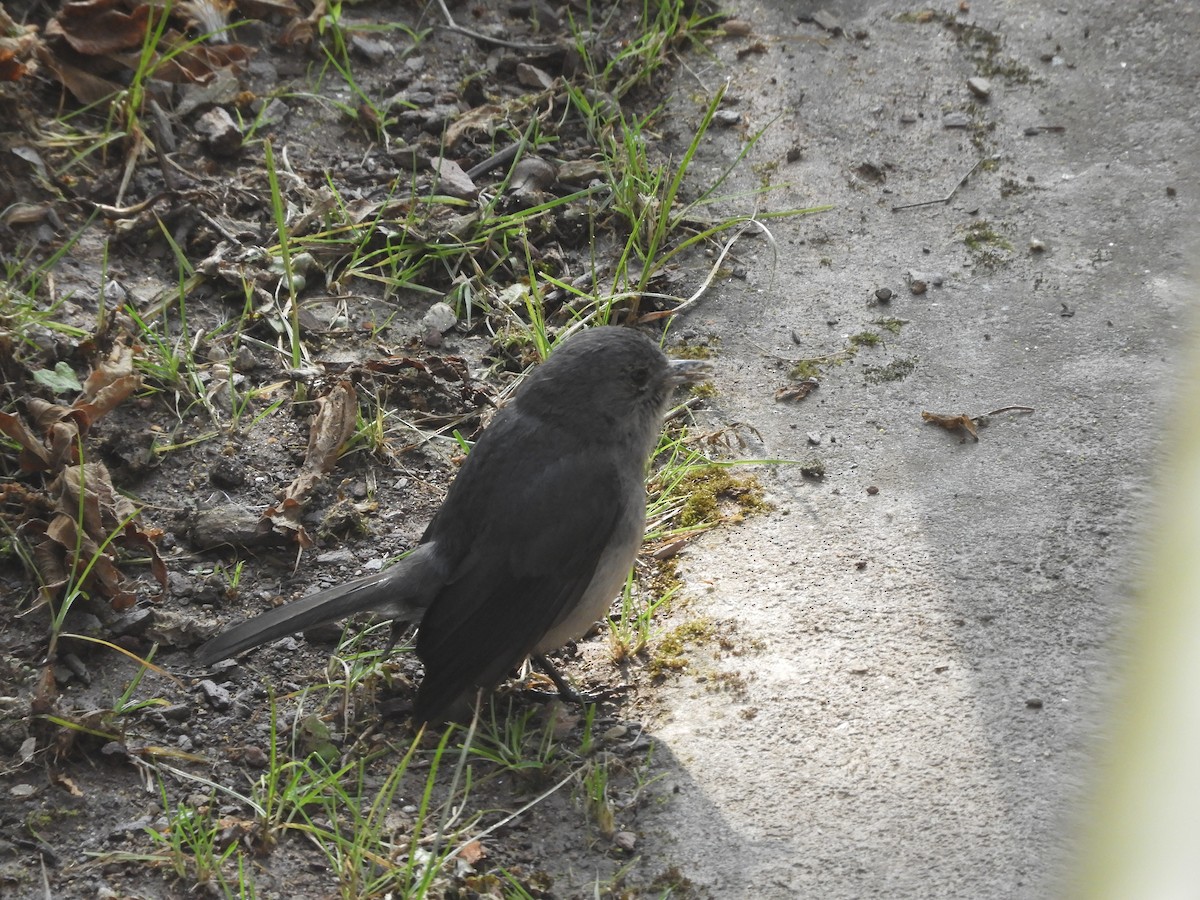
537, 532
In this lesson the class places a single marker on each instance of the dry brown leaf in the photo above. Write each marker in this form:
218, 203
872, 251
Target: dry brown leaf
98, 28
796, 391
285, 518
114, 367
81, 84
66, 784
110, 397
61, 549
11, 68
486, 118
332, 426
34, 455
472, 852
952, 422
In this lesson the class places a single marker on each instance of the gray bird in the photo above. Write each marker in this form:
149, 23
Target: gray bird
536, 534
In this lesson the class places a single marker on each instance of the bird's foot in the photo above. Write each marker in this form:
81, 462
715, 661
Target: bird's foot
569, 693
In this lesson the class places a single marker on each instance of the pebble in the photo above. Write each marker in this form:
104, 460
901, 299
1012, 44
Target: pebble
229, 474
371, 49
219, 133
935, 278
244, 359
134, 621
1036, 246
883, 295
178, 712
917, 286
727, 118
956, 120
218, 698
452, 180
625, 840
814, 438
828, 21
440, 317
980, 87
274, 113
533, 77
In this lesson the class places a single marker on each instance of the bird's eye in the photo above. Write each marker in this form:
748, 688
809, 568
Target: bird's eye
639, 376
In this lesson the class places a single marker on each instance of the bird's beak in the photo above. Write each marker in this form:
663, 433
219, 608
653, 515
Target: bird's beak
689, 371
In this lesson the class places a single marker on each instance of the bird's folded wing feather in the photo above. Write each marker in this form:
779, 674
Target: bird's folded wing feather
525, 566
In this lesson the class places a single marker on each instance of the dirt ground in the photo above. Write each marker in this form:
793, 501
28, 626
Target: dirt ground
916, 646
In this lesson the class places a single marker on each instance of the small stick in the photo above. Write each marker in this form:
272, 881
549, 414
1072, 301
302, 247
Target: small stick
451, 25
945, 199
1004, 409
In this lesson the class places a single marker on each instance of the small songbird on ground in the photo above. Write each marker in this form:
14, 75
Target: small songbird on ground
537, 532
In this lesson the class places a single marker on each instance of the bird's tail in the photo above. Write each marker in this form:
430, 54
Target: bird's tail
399, 592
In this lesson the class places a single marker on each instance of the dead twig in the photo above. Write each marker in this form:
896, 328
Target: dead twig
451, 25
949, 196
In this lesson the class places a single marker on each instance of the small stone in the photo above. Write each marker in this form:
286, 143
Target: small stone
814, 439
625, 840
908, 118
371, 49
229, 474
177, 712
828, 21
737, 28
219, 133
616, 733
343, 556
533, 77
1036, 246
883, 295
872, 491
452, 180
532, 175
1170, 191
132, 622
956, 120
934, 278
727, 118
440, 318
980, 87
917, 286
22, 791
218, 698
244, 359
1034, 703
274, 113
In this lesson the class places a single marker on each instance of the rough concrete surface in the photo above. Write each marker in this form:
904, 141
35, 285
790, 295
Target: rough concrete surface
917, 695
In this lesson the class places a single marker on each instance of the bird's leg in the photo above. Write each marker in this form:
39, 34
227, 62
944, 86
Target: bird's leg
569, 693
564, 688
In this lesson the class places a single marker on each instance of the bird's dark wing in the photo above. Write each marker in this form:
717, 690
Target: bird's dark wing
528, 561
